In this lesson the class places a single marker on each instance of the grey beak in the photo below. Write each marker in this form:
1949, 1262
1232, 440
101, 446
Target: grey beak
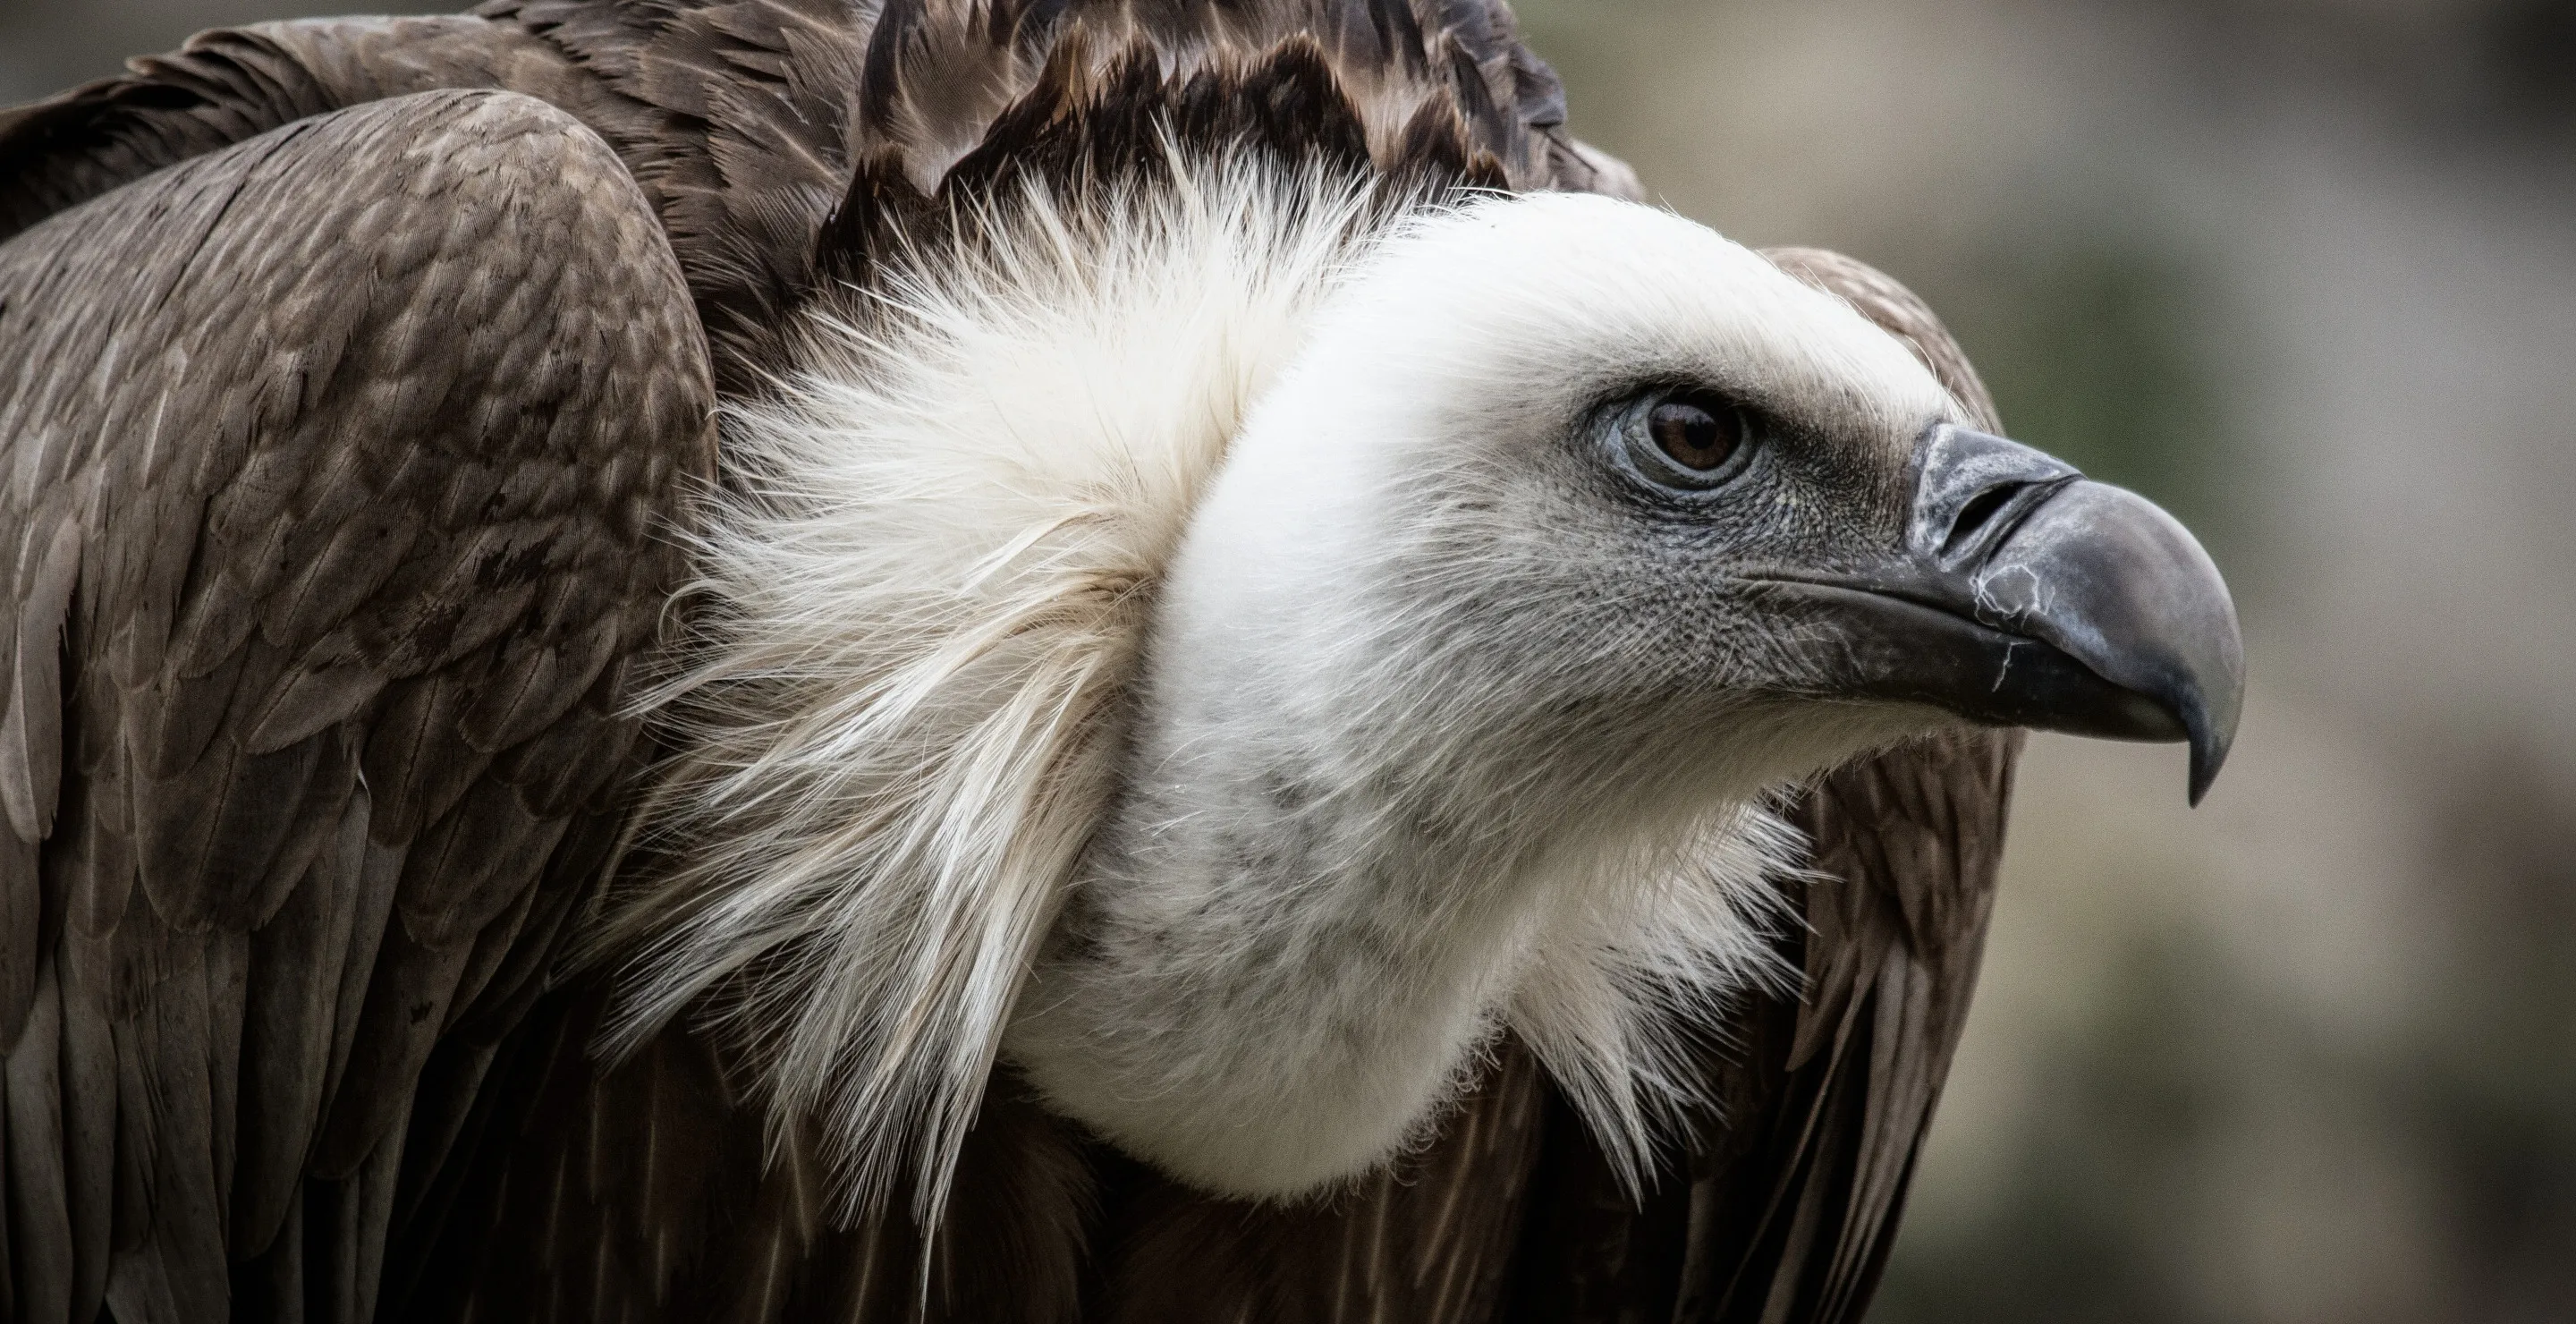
2028, 595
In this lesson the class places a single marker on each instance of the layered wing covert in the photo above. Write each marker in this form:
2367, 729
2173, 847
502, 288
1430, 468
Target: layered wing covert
338, 464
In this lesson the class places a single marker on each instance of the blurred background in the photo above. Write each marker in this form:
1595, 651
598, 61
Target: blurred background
2304, 271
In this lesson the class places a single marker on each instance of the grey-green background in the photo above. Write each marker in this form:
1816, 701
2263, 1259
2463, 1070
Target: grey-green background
2305, 270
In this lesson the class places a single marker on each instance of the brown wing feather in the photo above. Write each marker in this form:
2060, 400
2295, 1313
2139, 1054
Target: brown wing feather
232, 84
1792, 1213
746, 119
1430, 1240
743, 120
648, 1189
335, 465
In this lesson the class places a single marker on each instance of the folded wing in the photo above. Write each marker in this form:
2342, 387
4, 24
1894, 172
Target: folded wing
339, 465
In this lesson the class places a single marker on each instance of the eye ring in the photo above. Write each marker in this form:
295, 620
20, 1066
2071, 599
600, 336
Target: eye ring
1690, 441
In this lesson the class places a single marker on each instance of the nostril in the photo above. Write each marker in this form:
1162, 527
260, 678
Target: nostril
1978, 513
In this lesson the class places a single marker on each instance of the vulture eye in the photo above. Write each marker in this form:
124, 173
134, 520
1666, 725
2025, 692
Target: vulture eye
1694, 438
1693, 442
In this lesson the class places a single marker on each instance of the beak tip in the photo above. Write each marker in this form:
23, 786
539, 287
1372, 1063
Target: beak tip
2204, 771
2210, 742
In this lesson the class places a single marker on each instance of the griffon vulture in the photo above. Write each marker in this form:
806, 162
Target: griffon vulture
997, 660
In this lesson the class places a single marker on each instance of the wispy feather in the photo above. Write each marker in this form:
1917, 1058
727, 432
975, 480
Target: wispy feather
922, 597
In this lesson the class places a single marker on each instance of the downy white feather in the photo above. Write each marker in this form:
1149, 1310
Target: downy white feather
923, 592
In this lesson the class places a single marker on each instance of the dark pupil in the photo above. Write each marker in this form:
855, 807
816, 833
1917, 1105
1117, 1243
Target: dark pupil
1692, 436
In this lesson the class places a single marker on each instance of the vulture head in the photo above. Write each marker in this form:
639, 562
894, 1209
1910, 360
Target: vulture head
1229, 656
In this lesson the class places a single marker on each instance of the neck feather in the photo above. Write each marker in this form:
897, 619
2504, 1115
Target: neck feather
1332, 875
922, 597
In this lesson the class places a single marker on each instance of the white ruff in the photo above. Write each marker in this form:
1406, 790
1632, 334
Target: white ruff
922, 596
928, 595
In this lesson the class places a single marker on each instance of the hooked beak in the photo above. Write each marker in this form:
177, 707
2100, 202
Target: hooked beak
2028, 595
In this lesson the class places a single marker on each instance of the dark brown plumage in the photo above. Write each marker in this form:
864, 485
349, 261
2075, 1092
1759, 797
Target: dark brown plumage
332, 497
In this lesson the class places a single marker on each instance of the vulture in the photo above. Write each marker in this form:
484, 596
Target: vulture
986, 660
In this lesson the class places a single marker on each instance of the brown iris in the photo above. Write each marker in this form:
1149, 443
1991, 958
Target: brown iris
1696, 438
